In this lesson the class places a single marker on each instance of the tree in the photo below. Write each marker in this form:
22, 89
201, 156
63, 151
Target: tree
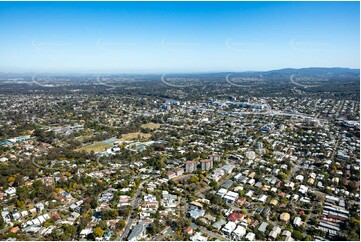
103, 224
2, 222
18, 180
121, 224
297, 235
20, 204
194, 179
309, 238
98, 232
113, 213
93, 203
69, 230
214, 184
48, 223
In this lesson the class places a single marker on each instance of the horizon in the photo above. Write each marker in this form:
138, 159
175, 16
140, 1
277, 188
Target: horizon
177, 37
185, 73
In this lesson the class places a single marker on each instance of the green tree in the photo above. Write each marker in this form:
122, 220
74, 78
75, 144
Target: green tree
69, 230
309, 238
121, 224
20, 204
98, 232
194, 179
297, 235
2, 222
103, 224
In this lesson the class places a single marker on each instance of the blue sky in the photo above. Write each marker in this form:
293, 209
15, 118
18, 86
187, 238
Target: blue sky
160, 37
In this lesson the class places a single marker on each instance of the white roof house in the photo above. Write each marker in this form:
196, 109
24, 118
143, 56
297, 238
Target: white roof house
299, 178
262, 228
24, 213
250, 236
297, 221
36, 221
262, 198
229, 228
86, 231
228, 168
41, 219
198, 237
238, 233
288, 235
251, 182
232, 194
275, 232
250, 155
10, 191
16, 215
221, 192
236, 177
39, 206
295, 197
303, 189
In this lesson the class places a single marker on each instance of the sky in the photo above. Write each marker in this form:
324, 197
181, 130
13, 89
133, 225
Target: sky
164, 37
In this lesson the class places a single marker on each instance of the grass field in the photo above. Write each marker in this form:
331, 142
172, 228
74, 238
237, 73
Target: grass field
83, 137
151, 126
101, 146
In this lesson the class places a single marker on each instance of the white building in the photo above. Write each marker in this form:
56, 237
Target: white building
11, 191
297, 221
231, 197
250, 236
221, 192
198, 237
238, 233
229, 228
303, 189
275, 232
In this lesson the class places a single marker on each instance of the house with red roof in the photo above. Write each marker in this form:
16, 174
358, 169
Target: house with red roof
188, 231
235, 217
14, 229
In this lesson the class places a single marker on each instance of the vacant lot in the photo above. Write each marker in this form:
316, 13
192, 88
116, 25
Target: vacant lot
102, 146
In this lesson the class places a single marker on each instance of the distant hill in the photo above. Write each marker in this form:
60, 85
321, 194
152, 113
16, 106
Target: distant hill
317, 71
335, 72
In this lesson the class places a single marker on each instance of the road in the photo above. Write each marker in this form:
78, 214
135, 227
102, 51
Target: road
335, 148
294, 169
339, 109
130, 221
211, 234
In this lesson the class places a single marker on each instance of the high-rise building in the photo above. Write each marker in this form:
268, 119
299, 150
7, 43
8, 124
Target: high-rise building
191, 166
215, 158
206, 165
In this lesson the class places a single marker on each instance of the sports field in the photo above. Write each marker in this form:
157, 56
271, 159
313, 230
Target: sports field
106, 144
151, 126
